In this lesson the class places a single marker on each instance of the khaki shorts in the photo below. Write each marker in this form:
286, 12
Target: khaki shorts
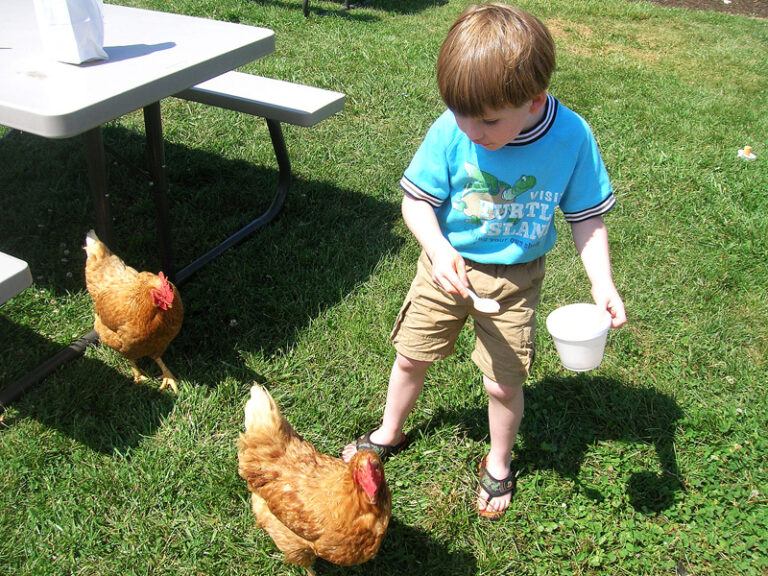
430, 319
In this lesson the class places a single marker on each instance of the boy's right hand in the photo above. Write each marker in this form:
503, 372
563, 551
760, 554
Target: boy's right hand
449, 270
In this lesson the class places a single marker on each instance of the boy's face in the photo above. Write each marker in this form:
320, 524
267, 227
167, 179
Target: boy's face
497, 128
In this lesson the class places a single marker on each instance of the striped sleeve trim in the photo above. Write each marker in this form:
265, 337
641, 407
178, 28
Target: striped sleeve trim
415, 192
598, 210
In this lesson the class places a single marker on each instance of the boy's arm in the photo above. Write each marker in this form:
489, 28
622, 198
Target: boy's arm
448, 267
591, 239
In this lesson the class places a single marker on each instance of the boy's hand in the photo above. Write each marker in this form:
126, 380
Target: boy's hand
591, 240
449, 271
608, 297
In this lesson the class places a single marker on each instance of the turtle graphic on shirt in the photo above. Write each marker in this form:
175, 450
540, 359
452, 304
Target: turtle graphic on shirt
488, 198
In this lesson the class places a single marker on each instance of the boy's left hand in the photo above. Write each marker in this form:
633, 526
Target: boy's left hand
591, 240
608, 297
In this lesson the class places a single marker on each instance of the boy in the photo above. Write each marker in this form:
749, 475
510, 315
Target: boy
480, 197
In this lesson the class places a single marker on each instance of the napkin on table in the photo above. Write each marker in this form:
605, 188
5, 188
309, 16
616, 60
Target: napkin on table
72, 31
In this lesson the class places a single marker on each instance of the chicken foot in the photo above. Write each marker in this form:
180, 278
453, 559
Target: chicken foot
138, 374
169, 380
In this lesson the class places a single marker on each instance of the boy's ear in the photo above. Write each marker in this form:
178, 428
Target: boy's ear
537, 103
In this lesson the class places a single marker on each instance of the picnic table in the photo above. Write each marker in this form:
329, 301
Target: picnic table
152, 55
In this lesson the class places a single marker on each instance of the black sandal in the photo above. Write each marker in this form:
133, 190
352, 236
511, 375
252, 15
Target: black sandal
494, 488
384, 451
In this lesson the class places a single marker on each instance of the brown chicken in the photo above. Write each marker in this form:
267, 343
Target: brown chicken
136, 313
311, 504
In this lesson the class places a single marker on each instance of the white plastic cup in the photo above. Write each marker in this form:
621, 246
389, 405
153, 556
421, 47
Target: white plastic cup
579, 331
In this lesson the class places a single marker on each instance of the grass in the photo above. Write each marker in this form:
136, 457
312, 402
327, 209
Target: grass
653, 464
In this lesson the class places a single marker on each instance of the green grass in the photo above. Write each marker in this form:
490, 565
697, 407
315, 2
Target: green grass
653, 464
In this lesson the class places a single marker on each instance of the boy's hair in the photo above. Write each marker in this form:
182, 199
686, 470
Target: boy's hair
495, 56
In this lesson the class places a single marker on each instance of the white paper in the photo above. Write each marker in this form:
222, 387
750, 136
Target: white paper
72, 31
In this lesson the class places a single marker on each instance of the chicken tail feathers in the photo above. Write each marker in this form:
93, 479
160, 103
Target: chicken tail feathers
101, 263
261, 411
261, 448
95, 247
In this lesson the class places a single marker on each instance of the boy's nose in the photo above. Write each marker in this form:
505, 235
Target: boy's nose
474, 130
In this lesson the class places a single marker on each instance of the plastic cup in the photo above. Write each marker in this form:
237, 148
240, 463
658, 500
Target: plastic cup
579, 331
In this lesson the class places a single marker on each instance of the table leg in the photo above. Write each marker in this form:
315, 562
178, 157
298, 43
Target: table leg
97, 176
157, 169
13, 391
283, 183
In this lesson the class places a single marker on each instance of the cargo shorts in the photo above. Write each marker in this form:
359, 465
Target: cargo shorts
430, 319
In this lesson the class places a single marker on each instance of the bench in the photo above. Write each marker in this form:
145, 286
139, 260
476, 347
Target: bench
14, 277
277, 102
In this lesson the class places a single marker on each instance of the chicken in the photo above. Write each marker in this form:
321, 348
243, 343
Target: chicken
137, 314
311, 504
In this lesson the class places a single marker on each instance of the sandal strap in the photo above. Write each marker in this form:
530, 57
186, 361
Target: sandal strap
381, 450
493, 486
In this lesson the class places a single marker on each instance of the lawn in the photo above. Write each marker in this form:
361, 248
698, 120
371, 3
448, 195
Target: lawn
654, 464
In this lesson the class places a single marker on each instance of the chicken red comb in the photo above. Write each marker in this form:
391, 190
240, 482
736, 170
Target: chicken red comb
166, 292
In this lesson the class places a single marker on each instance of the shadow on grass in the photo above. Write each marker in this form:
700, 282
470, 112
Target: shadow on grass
565, 417
407, 550
391, 6
88, 401
255, 297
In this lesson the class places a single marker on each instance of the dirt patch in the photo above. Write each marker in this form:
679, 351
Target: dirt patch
757, 8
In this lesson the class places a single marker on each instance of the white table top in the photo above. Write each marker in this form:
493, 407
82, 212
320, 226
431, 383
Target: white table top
152, 55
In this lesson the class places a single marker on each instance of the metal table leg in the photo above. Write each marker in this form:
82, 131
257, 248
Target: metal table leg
284, 182
71, 352
157, 170
97, 176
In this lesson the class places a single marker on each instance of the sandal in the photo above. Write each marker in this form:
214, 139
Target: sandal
384, 451
494, 488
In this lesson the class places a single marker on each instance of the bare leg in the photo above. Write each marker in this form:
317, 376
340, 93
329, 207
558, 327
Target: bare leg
505, 412
405, 384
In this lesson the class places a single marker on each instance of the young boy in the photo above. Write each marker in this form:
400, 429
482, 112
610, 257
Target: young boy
480, 198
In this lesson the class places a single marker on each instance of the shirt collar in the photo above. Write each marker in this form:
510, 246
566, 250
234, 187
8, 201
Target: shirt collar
542, 127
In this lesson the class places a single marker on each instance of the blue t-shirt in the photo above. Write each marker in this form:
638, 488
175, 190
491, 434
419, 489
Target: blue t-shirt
498, 207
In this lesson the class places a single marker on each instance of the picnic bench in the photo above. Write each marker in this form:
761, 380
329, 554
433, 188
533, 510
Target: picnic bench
276, 101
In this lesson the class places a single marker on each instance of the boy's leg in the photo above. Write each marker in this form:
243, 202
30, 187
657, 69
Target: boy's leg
504, 352
505, 412
405, 384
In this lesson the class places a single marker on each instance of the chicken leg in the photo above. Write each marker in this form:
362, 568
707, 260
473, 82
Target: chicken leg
169, 380
138, 375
